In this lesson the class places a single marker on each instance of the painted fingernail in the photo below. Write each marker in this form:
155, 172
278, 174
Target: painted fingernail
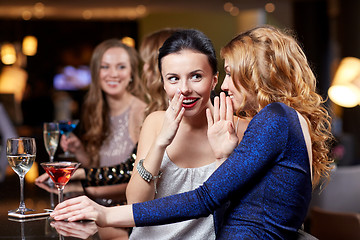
178, 90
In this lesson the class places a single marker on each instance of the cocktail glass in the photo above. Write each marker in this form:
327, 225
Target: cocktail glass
66, 127
51, 133
21, 154
60, 173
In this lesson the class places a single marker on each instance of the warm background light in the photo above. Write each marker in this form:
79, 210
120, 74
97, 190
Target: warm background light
344, 96
345, 89
29, 45
228, 6
32, 174
13, 80
128, 41
8, 54
269, 7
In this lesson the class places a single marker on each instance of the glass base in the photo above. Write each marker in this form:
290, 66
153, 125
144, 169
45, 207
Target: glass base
21, 210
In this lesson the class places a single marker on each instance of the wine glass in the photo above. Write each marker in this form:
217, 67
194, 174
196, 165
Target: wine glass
66, 127
21, 154
60, 173
51, 138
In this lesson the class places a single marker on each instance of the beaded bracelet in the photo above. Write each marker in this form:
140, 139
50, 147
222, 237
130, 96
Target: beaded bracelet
146, 175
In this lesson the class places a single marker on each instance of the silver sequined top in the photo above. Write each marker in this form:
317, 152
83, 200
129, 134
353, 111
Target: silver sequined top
118, 146
177, 180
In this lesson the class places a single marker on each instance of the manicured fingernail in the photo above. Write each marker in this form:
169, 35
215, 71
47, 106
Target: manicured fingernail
178, 90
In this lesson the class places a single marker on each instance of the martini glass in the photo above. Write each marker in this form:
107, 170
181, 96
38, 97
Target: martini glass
66, 127
21, 154
60, 173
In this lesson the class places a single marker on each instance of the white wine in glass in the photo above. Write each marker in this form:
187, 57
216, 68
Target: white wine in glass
51, 134
21, 154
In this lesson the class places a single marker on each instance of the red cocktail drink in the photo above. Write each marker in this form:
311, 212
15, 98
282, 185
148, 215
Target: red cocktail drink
60, 173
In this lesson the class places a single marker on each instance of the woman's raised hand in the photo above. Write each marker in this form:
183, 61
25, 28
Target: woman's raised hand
71, 144
221, 131
173, 116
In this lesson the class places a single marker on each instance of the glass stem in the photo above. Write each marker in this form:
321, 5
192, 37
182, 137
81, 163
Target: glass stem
61, 194
52, 204
22, 203
51, 158
23, 231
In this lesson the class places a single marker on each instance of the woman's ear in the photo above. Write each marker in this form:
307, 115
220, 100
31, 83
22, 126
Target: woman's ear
215, 80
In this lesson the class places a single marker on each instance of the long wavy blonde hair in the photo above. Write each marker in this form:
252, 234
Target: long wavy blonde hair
271, 65
95, 118
149, 52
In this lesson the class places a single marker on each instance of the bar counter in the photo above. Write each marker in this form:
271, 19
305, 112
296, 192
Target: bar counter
41, 227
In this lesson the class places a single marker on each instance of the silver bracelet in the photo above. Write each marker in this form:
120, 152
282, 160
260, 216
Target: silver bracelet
146, 175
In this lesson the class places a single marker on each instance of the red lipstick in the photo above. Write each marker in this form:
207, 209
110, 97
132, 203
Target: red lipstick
189, 102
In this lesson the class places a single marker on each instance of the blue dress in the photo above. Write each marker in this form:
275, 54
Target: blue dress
267, 180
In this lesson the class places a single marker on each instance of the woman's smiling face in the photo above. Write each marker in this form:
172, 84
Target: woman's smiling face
191, 73
115, 71
237, 96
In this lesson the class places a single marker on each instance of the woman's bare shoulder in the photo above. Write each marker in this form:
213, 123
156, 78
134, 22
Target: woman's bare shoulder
156, 117
153, 123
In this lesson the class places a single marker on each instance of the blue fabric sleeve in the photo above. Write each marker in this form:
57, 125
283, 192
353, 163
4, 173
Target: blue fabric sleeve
263, 143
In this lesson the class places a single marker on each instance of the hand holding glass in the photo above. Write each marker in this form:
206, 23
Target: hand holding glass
21, 154
60, 173
66, 127
51, 138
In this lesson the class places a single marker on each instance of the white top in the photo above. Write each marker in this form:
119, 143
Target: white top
177, 180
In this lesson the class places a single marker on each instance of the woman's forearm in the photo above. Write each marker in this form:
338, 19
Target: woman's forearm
139, 190
120, 216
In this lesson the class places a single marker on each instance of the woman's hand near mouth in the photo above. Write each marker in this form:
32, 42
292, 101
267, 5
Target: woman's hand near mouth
172, 119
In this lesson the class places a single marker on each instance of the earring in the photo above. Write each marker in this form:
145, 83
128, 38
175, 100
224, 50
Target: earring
131, 80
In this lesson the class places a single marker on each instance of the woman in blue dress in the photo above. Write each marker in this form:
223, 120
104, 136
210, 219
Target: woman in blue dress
268, 177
